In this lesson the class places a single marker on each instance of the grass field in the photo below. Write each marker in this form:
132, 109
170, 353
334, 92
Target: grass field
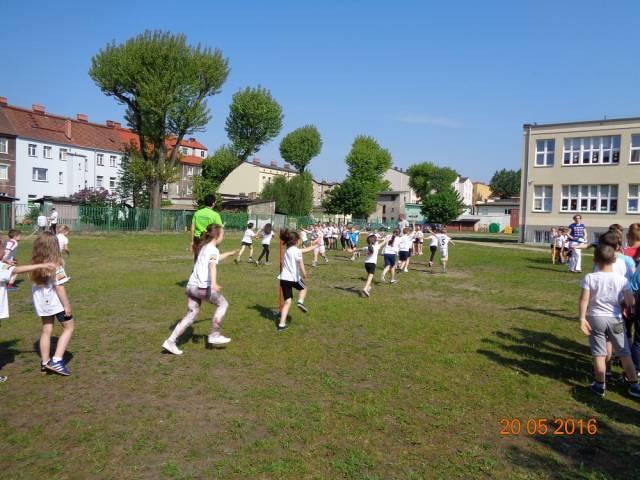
411, 383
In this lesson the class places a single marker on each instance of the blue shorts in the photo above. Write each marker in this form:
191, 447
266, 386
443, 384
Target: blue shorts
389, 259
404, 255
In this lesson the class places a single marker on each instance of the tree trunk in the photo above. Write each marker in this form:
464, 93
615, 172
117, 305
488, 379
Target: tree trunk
156, 200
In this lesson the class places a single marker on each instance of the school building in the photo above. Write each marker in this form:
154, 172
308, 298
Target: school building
589, 167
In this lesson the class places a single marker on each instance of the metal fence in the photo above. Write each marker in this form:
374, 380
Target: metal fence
83, 218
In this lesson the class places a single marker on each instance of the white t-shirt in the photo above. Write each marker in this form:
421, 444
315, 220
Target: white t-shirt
404, 243
290, 268
620, 267
63, 241
606, 293
248, 236
200, 276
42, 220
443, 241
53, 218
10, 249
372, 257
418, 235
5, 275
433, 241
560, 241
266, 238
45, 298
303, 235
391, 249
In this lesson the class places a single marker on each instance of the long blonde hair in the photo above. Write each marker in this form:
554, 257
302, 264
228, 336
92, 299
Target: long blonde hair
45, 250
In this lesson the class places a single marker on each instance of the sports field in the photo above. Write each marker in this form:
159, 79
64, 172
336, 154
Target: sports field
410, 383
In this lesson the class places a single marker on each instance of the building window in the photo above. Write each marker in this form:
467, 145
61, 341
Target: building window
190, 171
4, 145
184, 151
545, 155
100, 160
60, 178
32, 150
202, 153
591, 150
46, 152
633, 199
62, 154
635, 149
112, 160
4, 172
112, 182
86, 164
39, 175
99, 181
542, 195
589, 198
165, 188
189, 189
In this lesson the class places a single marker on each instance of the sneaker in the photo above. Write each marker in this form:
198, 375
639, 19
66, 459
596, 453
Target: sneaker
393, 282
236, 260
302, 307
314, 264
326, 259
3, 378
58, 366
250, 260
406, 270
634, 390
282, 328
599, 389
366, 292
267, 263
218, 339
43, 367
171, 347
430, 264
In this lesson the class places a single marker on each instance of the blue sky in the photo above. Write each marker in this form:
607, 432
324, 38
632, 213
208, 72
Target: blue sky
446, 82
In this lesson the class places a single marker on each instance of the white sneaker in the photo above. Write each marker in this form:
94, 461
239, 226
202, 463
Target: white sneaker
171, 347
406, 270
314, 264
218, 340
393, 282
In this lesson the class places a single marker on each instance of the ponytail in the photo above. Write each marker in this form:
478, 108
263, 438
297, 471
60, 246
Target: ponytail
210, 234
396, 232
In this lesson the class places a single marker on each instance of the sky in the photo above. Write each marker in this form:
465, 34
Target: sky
445, 82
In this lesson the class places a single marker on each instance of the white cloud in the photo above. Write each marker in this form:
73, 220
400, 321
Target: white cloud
432, 120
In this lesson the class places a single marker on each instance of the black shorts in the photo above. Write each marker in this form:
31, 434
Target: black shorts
403, 256
246, 244
370, 268
61, 317
288, 286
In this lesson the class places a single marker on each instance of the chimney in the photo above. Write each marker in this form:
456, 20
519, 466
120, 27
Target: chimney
3, 101
274, 163
287, 166
36, 107
255, 161
111, 123
117, 125
83, 118
67, 129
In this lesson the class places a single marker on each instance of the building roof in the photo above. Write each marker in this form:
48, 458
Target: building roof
191, 160
500, 202
130, 138
37, 124
603, 121
272, 167
6, 127
325, 182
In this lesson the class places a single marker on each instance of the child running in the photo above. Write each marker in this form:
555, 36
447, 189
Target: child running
247, 241
267, 234
63, 239
318, 246
418, 240
443, 243
433, 247
354, 237
292, 275
51, 302
390, 254
10, 249
203, 285
600, 310
371, 260
405, 243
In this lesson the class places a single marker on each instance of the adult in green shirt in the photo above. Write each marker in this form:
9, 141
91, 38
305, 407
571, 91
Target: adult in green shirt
202, 219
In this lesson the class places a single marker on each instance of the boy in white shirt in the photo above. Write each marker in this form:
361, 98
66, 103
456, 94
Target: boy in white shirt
247, 241
443, 244
405, 242
63, 239
53, 221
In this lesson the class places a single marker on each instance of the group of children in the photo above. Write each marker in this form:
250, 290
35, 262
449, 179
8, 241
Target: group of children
49, 296
567, 243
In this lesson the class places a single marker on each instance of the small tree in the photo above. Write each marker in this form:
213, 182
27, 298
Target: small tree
443, 206
215, 169
506, 183
164, 84
134, 177
300, 146
255, 118
293, 196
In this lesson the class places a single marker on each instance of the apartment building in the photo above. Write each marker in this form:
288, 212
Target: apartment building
321, 189
590, 167
249, 178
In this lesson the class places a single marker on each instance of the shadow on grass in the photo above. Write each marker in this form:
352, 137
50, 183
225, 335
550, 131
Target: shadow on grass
7, 352
182, 283
67, 357
354, 290
530, 352
547, 312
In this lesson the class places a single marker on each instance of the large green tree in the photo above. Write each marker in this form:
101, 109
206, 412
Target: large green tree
433, 184
506, 183
215, 168
255, 118
164, 83
442, 206
300, 146
293, 196
358, 194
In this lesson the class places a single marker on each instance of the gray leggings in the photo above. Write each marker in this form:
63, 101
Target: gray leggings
194, 299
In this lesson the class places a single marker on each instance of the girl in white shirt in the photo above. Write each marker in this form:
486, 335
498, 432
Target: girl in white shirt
292, 275
418, 238
371, 251
433, 247
51, 302
390, 254
247, 241
63, 239
443, 244
318, 245
203, 285
267, 234
405, 243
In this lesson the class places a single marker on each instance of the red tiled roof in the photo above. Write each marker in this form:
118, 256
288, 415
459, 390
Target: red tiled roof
187, 142
191, 160
130, 138
54, 128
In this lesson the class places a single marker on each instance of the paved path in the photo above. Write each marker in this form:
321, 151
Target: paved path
513, 246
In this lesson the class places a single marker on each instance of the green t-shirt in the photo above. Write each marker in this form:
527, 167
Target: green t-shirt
203, 218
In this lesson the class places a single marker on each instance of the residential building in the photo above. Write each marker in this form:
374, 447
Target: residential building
7, 155
391, 204
481, 192
588, 167
320, 190
464, 187
249, 178
399, 182
56, 155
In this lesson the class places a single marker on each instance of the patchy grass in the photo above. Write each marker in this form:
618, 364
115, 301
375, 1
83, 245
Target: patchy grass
411, 383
